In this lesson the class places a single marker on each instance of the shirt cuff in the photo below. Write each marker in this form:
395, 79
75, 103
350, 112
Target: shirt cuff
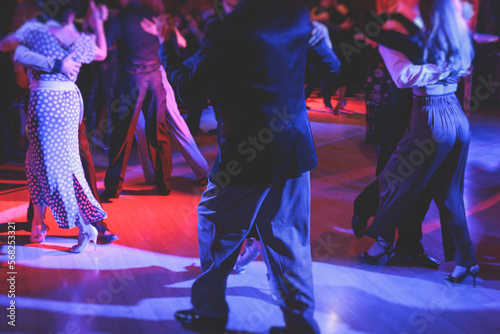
57, 66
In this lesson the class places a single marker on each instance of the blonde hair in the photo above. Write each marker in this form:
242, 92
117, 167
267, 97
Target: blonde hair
447, 40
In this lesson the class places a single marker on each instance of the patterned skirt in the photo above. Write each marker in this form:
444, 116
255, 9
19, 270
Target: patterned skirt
53, 166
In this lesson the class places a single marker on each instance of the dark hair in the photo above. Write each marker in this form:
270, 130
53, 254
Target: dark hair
60, 10
446, 38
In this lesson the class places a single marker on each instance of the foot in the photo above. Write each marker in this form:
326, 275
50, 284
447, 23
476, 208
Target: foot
197, 321
380, 247
278, 330
105, 236
87, 234
250, 253
419, 259
379, 253
358, 224
107, 194
38, 233
163, 190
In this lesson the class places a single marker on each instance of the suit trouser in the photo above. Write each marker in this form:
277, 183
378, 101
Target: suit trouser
180, 133
429, 161
281, 212
138, 92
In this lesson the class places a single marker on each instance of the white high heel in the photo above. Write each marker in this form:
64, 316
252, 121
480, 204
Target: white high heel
90, 234
38, 233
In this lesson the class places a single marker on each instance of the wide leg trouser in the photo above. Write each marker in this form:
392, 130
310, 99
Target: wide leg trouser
281, 212
135, 93
430, 159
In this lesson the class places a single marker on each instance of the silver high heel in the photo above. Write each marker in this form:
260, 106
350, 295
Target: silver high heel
38, 233
84, 238
249, 254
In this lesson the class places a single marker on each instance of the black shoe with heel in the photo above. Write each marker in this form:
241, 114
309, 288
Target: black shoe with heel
388, 250
456, 280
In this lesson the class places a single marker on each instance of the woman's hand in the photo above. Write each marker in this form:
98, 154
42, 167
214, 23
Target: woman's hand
165, 28
150, 26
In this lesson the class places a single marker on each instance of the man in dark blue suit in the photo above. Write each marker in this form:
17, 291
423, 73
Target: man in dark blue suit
253, 62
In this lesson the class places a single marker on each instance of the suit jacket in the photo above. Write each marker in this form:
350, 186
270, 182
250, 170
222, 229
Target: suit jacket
254, 59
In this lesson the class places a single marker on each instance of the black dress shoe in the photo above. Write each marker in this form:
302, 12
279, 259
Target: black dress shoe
195, 321
278, 330
107, 194
419, 259
105, 236
358, 224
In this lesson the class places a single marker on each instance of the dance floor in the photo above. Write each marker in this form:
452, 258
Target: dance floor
135, 284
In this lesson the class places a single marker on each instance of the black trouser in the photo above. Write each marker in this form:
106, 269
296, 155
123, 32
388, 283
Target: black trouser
138, 92
395, 121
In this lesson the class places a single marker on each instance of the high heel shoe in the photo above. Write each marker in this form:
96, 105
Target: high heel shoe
84, 238
38, 233
469, 271
249, 254
388, 250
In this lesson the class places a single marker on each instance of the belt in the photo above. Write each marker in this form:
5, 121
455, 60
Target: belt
65, 86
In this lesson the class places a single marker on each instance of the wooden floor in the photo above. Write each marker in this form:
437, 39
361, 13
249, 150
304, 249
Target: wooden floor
135, 284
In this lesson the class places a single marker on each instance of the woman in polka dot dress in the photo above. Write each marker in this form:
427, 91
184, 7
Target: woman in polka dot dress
53, 166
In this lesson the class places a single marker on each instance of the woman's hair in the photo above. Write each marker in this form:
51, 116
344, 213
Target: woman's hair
156, 6
60, 10
446, 39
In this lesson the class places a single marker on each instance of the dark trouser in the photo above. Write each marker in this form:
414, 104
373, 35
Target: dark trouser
395, 121
138, 92
429, 161
281, 213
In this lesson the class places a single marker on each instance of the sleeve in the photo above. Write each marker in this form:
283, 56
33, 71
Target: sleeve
88, 49
113, 31
24, 33
405, 74
193, 81
323, 62
28, 58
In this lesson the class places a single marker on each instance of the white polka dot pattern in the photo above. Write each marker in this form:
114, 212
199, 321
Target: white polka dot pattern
53, 166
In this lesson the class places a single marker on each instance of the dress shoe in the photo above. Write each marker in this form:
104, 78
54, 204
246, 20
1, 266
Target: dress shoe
419, 259
358, 224
105, 236
379, 259
107, 194
86, 235
38, 233
163, 190
196, 321
278, 330
472, 270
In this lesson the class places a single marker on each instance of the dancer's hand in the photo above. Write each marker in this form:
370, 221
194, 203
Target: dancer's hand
150, 26
22, 79
70, 68
318, 33
165, 28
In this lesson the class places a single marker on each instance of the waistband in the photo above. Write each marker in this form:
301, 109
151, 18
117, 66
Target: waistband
435, 99
432, 90
65, 86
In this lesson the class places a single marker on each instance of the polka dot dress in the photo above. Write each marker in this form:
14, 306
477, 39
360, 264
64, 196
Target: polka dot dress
53, 166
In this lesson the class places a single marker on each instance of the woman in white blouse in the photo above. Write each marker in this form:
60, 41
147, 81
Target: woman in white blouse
431, 158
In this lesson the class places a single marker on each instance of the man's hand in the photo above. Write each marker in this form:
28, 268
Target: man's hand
22, 79
70, 68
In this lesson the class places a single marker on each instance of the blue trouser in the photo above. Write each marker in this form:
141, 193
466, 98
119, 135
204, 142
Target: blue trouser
281, 212
429, 161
